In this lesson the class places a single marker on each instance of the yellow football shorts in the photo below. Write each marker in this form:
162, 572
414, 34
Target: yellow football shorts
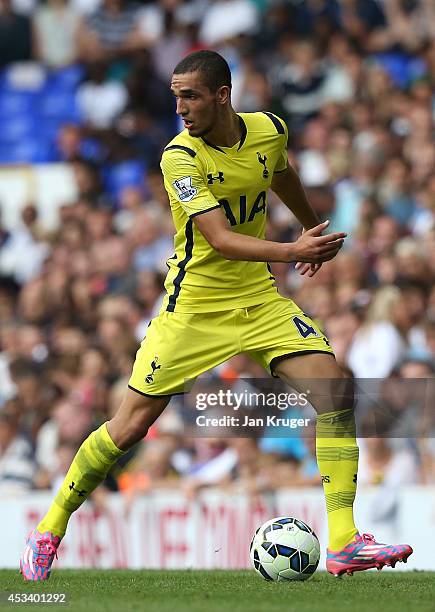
179, 347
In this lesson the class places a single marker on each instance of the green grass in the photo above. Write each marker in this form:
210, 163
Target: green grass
221, 591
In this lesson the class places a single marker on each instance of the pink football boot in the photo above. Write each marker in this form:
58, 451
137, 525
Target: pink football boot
365, 553
38, 555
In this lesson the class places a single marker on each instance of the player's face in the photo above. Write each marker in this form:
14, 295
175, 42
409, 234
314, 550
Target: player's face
196, 104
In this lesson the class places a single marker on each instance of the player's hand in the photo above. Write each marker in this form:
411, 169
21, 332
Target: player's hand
306, 267
311, 247
303, 268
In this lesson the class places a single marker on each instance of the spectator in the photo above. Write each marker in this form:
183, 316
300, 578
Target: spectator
69, 142
385, 233
150, 469
362, 20
24, 238
341, 328
88, 183
17, 467
409, 25
148, 91
101, 100
150, 248
85, 7
378, 345
213, 464
106, 33
298, 84
226, 19
388, 468
430, 337
161, 31
379, 464
55, 27
394, 191
69, 424
15, 35
131, 204
145, 135
254, 91
315, 19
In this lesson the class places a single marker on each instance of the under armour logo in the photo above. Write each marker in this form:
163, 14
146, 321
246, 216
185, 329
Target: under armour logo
263, 159
80, 492
212, 179
150, 377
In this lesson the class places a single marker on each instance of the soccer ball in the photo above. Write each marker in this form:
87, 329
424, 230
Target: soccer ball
285, 548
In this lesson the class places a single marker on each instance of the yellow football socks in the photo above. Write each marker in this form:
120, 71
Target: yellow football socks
89, 468
337, 458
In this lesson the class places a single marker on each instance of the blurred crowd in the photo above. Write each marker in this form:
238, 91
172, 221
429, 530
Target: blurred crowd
354, 80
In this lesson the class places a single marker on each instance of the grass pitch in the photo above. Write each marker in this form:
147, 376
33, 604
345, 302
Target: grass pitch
221, 591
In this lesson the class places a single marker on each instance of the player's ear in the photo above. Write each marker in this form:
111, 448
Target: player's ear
223, 94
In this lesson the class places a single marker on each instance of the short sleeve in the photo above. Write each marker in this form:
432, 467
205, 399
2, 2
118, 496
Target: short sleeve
184, 183
282, 162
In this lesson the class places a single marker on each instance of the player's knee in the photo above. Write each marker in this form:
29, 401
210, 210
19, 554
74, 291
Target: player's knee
136, 429
125, 433
344, 393
133, 419
333, 394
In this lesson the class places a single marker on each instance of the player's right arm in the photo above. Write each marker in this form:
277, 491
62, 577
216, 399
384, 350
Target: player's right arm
186, 186
311, 247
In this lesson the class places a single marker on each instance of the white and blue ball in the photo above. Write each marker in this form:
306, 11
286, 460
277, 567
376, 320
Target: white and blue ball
285, 548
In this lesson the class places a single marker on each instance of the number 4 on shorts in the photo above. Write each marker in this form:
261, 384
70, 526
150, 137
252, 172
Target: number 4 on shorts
303, 328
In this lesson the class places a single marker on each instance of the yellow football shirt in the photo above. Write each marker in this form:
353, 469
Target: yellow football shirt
200, 176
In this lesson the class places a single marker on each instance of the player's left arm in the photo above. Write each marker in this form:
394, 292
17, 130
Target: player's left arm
286, 182
288, 187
